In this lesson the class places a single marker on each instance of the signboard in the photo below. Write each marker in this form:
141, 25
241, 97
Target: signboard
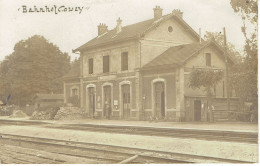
115, 102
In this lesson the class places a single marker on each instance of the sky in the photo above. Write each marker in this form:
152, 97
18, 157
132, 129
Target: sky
69, 30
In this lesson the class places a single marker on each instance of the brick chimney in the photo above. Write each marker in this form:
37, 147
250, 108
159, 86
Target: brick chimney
178, 13
102, 28
119, 25
157, 13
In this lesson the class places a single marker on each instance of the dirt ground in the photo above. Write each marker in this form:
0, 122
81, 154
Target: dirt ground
229, 150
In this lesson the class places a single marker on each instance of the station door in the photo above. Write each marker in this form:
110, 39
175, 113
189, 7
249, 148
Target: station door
197, 110
159, 100
126, 101
91, 97
107, 102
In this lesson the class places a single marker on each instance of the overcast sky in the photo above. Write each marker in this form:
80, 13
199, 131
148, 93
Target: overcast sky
72, 29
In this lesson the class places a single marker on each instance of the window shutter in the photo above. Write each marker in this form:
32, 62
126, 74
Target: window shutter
90, 65
124, 61
208, 59
105, 64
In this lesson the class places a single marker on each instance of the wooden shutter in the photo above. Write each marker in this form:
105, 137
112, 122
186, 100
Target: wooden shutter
124, 61
106, 64
208, 59
90, 66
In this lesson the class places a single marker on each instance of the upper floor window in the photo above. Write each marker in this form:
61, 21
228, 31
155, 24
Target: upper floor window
90, 66
124, 61
208, 59
106, 64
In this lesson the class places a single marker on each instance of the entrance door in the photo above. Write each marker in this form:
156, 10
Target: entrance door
107, 102
159, 100
91, 97
126, 101
197, 110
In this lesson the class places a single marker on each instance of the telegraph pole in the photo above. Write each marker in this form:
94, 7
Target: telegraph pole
227, 75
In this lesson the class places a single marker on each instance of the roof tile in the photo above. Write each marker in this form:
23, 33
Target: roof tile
175, 55
131, 31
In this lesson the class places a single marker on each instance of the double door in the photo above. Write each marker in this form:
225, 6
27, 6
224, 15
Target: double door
126, 101
159, 100
107, 108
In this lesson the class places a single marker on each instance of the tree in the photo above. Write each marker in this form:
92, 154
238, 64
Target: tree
219, 38
35, 66
245, 77
208, 79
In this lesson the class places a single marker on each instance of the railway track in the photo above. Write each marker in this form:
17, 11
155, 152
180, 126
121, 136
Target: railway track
212, 135
96, 153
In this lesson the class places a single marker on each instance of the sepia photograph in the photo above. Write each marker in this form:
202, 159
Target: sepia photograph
129, 82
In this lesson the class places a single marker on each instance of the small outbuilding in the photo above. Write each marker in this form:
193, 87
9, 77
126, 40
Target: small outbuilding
43, 100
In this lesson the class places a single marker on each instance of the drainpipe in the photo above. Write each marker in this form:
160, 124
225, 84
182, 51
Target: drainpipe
81, 77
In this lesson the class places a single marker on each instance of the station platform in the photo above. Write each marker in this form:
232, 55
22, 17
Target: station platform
220, 126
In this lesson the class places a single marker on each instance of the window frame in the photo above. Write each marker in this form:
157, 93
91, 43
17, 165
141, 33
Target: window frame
208, 59
74, 92
124, 61
106, 68
90, 66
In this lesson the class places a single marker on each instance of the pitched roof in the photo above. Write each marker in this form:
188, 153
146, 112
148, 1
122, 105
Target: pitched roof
177, 55
174, 55
132, 32
41, 96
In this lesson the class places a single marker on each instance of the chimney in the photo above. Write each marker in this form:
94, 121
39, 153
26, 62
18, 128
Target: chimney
102, 28
157, 13
119, 25
178, 13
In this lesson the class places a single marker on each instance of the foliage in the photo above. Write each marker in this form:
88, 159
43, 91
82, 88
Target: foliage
246, 8
245, 73
35, 66
206, 78
219, 38
244, 80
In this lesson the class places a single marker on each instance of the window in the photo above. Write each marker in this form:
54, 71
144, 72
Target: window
90, 66
170, 28
106, 64
208, 59
124, 61
74, 92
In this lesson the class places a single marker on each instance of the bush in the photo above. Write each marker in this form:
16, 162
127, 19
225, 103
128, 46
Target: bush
7, 110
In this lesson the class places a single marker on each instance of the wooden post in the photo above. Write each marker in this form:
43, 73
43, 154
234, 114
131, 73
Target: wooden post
227, 75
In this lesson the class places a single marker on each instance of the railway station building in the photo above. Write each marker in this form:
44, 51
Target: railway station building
141, 71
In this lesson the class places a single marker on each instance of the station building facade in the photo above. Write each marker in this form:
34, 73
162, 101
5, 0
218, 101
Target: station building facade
141, 71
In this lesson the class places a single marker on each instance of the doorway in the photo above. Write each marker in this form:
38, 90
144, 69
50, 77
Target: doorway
107, 102
126, 101
197, 110
159, 95
91, 97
